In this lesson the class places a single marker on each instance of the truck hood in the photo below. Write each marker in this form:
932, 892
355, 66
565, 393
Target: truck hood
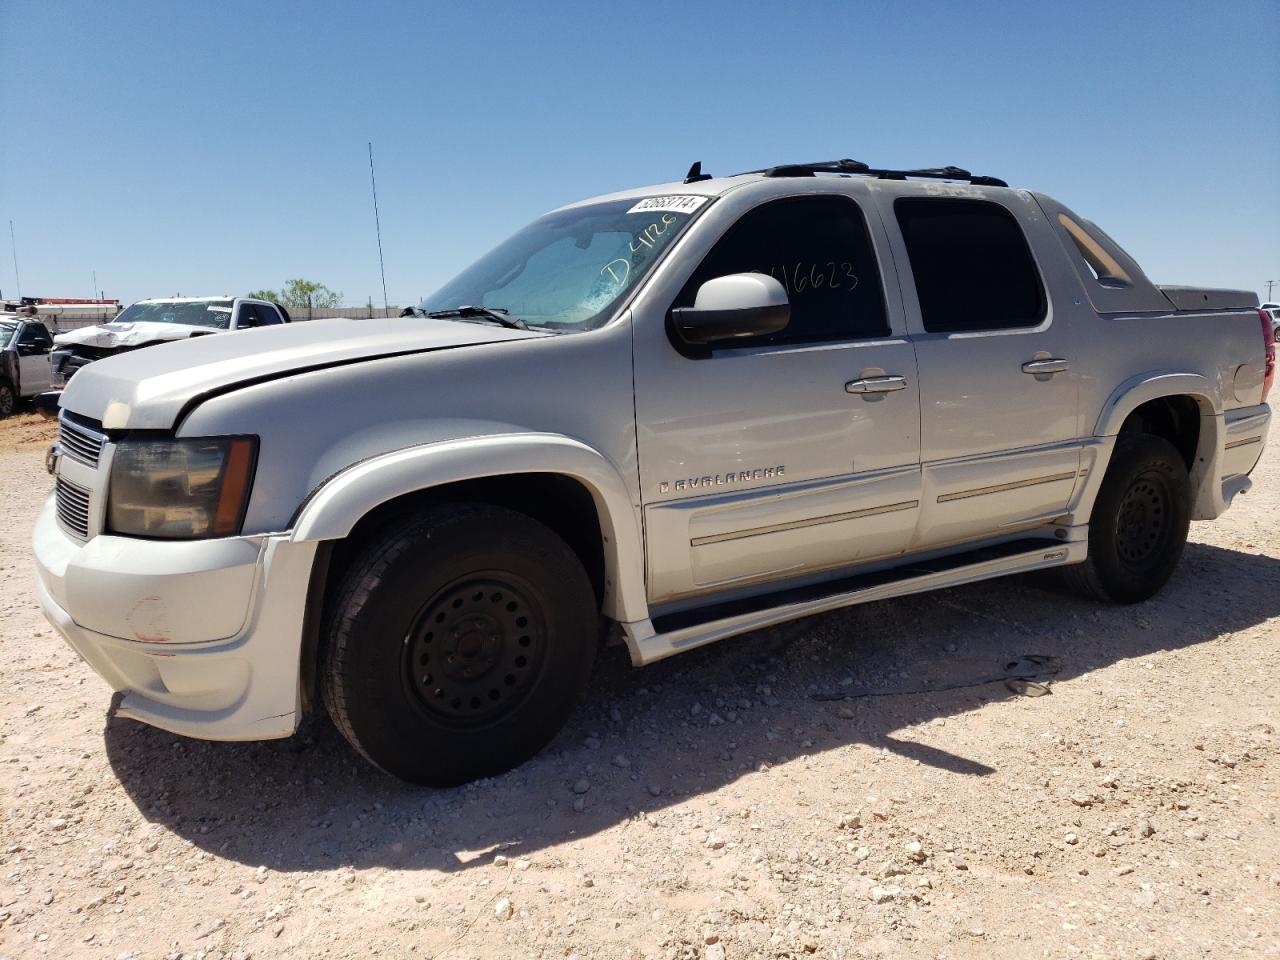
150, 389
113, 335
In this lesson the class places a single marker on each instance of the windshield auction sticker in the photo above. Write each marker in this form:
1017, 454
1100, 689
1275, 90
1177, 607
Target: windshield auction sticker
677, 204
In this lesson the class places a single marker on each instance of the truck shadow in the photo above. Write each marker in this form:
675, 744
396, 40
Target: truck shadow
729, 715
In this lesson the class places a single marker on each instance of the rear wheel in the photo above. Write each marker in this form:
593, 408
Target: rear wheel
458, 645
8, 399
1139, 523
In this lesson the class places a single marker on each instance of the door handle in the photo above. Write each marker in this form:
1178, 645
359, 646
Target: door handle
1050, 366
886, 384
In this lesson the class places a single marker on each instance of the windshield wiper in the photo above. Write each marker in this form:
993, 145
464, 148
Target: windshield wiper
495, 314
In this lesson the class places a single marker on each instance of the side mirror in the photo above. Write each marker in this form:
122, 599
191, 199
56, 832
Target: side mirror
739, 305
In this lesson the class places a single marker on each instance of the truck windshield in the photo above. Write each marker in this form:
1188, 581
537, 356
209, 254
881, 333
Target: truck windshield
190, 313
569, 270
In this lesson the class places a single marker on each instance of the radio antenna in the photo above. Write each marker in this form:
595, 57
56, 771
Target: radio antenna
14, 243
373, 183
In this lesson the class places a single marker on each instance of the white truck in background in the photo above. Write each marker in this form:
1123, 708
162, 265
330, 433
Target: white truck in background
163, 320
668, 415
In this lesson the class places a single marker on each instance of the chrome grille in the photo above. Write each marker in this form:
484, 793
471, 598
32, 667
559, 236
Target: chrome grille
73, 508
80, 443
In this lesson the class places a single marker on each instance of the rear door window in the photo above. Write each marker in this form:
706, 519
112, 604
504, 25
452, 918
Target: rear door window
972, 265
819, 249
267, 315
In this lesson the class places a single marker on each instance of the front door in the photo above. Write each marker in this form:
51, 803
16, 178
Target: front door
999, 393
786, 455
34, 345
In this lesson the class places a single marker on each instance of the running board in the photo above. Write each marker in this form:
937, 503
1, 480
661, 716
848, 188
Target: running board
652, 640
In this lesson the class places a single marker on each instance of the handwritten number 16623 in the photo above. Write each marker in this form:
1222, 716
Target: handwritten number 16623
801, 276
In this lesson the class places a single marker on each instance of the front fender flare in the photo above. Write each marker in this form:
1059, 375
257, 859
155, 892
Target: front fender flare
336, 506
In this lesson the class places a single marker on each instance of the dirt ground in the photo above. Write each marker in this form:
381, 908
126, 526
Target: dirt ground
26, 430
706, 807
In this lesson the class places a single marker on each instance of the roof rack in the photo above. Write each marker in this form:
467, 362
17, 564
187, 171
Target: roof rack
847, 167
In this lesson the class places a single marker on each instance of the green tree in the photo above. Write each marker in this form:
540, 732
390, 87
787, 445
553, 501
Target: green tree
298, 294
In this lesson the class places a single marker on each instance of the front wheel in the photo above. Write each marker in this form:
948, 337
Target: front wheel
1139, 523
8, 399
458, 644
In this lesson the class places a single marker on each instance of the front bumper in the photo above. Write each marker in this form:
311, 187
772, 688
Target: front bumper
203, 637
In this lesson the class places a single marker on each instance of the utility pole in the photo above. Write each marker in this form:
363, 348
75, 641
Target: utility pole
96, 293
378, 226
14, 244
1270, 284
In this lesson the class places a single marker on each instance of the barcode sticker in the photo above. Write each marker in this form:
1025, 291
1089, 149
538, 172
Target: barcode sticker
676, 204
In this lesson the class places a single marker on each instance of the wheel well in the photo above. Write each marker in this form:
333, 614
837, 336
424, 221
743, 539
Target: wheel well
1176, 419
560, 502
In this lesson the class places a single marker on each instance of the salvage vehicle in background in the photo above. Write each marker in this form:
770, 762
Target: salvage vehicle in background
149, 322
1273, 311
25, 343
667, 415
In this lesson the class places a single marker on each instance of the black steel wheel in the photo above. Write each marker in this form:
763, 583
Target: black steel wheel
1143, 518
477, 649
8, 399
1139, 524
457, 645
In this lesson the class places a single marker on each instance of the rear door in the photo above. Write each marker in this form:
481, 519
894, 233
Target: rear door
999, 391
758, 461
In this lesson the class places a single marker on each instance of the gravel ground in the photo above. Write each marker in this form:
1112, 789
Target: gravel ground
706, 807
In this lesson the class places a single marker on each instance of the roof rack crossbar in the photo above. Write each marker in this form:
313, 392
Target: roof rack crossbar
847, 166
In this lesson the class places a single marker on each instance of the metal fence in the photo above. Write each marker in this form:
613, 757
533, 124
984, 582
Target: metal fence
365, 311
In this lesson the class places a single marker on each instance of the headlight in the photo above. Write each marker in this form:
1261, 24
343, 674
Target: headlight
181, 489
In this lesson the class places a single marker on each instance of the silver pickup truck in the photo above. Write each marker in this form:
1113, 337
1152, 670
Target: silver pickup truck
668, 415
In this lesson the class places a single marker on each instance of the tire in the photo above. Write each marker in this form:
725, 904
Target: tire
1139, 523
8, 399
457, 645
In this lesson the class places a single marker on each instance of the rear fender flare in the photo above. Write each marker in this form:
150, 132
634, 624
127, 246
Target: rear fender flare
336, 506
1135, 391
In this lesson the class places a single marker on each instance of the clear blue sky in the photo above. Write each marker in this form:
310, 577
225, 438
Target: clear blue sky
210, 147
